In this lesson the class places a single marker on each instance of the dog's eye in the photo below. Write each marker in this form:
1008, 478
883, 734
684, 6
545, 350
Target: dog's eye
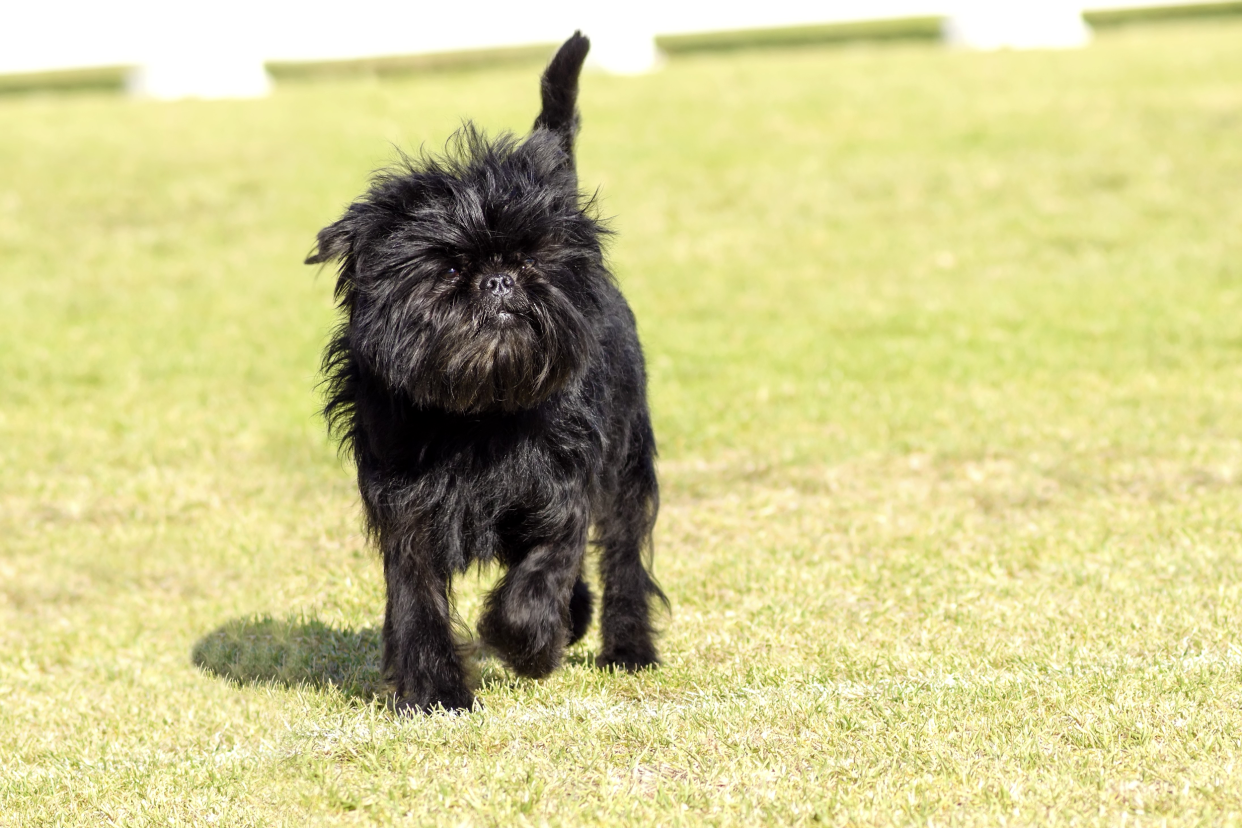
452, 271
528, 262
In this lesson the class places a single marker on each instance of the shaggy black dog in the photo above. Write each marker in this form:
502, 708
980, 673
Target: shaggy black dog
488, 381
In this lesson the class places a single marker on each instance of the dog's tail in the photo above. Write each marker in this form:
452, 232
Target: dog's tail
560, 91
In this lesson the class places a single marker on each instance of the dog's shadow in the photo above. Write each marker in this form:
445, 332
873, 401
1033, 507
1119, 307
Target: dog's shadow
310, 653
294, 653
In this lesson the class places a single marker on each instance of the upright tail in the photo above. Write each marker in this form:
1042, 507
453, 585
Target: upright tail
560, 91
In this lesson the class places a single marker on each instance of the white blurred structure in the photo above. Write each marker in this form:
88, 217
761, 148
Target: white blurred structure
1052, 24
200, 51
198, 76
216, 48
626, 49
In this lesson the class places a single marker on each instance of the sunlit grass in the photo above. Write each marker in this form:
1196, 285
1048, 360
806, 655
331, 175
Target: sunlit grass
946, 360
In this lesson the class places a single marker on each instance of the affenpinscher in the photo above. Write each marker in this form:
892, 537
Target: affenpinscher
488, 381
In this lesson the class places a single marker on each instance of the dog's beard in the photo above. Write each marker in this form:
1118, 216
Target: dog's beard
460, 355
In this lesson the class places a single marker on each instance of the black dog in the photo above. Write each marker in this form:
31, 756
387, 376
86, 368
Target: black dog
488, 381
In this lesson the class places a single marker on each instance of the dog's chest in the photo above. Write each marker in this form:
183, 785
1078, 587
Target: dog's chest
486, 489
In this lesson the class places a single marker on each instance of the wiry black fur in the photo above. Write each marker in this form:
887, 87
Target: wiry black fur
488, 381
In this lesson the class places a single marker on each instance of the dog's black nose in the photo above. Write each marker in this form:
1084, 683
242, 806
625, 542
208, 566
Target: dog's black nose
498, 284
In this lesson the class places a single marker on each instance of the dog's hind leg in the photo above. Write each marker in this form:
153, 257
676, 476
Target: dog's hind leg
420, 655
624, 532
581, 606
529, 617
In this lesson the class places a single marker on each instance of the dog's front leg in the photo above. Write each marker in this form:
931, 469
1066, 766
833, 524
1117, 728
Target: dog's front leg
527, 616
420, 655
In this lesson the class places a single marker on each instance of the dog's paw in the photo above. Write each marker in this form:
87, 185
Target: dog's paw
629, 659
454, 703
531, 649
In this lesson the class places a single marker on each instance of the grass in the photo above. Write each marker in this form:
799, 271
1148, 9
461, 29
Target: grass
947, 374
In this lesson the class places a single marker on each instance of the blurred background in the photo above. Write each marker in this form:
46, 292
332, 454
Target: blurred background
220, 49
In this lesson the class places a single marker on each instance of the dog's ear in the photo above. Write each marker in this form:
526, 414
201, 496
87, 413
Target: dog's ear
559, 88
333, 242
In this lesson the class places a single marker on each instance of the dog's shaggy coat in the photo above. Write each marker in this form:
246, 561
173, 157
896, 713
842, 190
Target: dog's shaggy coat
488, 382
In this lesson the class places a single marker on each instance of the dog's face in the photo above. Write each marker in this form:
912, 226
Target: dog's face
470, 282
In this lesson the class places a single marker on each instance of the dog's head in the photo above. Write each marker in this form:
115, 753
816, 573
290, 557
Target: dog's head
470, 282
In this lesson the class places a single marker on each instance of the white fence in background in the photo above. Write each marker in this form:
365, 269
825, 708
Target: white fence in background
217, 49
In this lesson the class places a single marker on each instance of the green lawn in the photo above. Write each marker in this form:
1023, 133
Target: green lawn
946, 365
